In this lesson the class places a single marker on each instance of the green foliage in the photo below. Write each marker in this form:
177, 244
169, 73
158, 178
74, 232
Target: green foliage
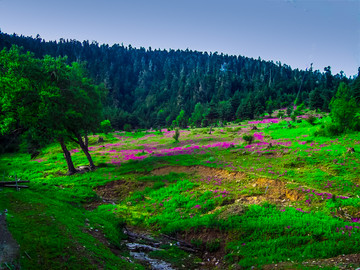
269, 107
106, 126
289, 110
128, 127
213, 245
212, 114
181, 120
299, 109
153, 82
316, 101
53, 101
176, 135
249, 138
304, 235
280, 114
343, 109
58, 215
311, 119
293, 117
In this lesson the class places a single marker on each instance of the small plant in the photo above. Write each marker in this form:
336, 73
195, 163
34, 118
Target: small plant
213, 246
280, 114
293, 117
159, 131
289, 110
249, 138
197, 243
311, 120
176, 135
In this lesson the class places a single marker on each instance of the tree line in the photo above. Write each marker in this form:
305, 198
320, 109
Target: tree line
157, 88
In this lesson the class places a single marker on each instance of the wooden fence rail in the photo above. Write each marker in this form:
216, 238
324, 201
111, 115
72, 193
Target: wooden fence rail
13, 184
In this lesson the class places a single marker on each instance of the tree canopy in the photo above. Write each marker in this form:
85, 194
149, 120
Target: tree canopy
149, 88
49, 100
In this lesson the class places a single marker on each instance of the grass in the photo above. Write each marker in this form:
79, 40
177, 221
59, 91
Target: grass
54, 225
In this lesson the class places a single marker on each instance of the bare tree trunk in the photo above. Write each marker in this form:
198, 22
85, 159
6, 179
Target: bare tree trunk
85, 149
86, 141
70, 164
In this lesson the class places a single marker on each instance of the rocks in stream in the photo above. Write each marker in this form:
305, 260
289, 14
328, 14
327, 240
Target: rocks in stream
141, 245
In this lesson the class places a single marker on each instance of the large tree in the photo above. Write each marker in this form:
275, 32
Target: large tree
79, 111
49, 99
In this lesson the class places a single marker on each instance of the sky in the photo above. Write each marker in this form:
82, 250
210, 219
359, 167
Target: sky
293, 32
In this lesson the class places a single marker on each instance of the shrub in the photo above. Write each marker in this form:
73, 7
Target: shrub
311, 120
293, 117
176, 135
249, 138
213, 245
280, 114
106, 126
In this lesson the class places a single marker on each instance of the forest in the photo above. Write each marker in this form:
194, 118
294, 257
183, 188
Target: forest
124, 158
149, 88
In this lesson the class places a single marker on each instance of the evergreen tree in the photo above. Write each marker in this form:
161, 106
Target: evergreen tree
197, 116
315, 99
269, 107
143, 82
343, 109
212, 114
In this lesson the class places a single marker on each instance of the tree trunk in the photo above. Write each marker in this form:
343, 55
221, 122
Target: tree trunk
70, 164
86, 141
85, 149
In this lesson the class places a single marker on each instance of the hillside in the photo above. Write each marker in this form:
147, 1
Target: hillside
288, 200
148, 88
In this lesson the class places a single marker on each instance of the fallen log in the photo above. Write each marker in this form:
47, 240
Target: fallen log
2, 183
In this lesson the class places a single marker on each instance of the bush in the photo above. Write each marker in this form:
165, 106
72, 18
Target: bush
311, 120
176, 135
249, 138
106, 126
293, 117
280, 114
330, 129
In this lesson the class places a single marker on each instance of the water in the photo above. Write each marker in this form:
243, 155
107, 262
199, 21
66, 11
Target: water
139, 252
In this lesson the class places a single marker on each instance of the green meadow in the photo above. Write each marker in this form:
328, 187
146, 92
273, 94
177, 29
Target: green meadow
288, 200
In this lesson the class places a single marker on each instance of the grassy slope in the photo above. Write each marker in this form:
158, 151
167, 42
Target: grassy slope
52, 226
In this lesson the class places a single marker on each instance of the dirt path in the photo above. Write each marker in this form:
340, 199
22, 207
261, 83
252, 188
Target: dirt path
200, 170
9, 249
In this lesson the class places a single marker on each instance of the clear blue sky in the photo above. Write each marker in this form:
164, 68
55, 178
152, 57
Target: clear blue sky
295, 32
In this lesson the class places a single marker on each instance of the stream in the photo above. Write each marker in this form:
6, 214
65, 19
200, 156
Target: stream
139, 252
140, 245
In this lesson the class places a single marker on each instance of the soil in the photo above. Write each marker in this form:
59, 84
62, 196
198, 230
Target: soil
203, 171
213, 258
276, 190
115, 191
9, 249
